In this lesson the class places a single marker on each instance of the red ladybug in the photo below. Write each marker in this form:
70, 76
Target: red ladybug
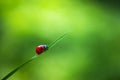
41, 48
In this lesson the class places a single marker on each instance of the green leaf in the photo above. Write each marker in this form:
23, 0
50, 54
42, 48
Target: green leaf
57, 40
34, 57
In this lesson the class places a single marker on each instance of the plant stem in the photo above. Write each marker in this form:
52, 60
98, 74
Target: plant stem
12, 72
56, 41
34, 57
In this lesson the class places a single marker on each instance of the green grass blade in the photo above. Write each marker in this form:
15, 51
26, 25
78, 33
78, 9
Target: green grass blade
56, 41
16, 69
35, 56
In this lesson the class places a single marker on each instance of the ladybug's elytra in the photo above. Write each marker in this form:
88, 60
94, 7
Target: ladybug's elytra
41, 48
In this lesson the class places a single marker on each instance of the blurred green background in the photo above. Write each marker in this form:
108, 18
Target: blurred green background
90, 51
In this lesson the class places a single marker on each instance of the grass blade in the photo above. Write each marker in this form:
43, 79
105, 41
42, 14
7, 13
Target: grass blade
56, 41
35, 56
16, 69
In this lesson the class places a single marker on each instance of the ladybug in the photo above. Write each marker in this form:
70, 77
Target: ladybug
41, 48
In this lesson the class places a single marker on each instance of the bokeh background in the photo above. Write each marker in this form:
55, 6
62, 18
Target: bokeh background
90, 51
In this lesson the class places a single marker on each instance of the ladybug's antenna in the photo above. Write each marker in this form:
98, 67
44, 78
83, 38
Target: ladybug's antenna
56, 41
